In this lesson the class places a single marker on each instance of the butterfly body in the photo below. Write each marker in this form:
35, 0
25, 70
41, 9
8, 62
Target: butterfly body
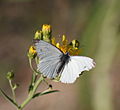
54, 62
64, 60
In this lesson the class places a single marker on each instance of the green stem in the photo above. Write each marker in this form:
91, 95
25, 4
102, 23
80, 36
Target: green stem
13, 92
31, 93
46, 82
30, 62
19, 109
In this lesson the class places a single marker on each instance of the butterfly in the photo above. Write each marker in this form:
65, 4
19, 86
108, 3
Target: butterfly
53, 62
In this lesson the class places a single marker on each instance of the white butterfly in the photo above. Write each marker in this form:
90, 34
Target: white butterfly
54, 62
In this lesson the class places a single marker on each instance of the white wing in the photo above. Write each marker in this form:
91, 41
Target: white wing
45, 49
75, 66
49, 59
49, 68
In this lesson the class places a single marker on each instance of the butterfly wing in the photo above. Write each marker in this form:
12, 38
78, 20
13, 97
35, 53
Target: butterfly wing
49, 59
74, 67
45, 49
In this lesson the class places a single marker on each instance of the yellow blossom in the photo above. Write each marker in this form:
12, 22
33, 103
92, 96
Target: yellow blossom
74, 48
58, 45
46, 29
32, 50
64, 40
75, 44
64, 48
38, 35
53, 41
47, 33
71, 48
74, 51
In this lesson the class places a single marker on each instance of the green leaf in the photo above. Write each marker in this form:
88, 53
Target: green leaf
8, 98
44, 93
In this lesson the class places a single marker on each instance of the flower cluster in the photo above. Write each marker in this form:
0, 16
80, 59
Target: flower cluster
46, 34
72, 48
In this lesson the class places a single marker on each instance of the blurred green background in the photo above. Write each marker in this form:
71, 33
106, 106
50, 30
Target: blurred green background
95, 23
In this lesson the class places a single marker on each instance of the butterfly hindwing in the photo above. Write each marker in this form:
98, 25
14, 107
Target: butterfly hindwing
73, 69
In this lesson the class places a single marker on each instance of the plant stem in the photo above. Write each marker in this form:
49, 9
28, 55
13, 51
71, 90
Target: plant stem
31, 93
34, 70
13, 92
19, 109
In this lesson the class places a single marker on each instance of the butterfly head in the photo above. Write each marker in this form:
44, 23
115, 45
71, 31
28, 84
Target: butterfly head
65, 57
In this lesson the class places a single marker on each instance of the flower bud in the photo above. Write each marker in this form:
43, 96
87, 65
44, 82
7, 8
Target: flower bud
10, 75
38, 35
32, 52
75, 43
74, 48
46, 30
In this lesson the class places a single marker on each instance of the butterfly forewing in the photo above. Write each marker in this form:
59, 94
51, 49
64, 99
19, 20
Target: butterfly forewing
45, 49
49, 59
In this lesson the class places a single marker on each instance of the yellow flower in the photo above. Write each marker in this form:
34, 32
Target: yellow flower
64, 48
72, 48
64, 40
53, 41
38, 35
47, 32
58, 45
46, 29
74, 51
32, 50
75, 44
